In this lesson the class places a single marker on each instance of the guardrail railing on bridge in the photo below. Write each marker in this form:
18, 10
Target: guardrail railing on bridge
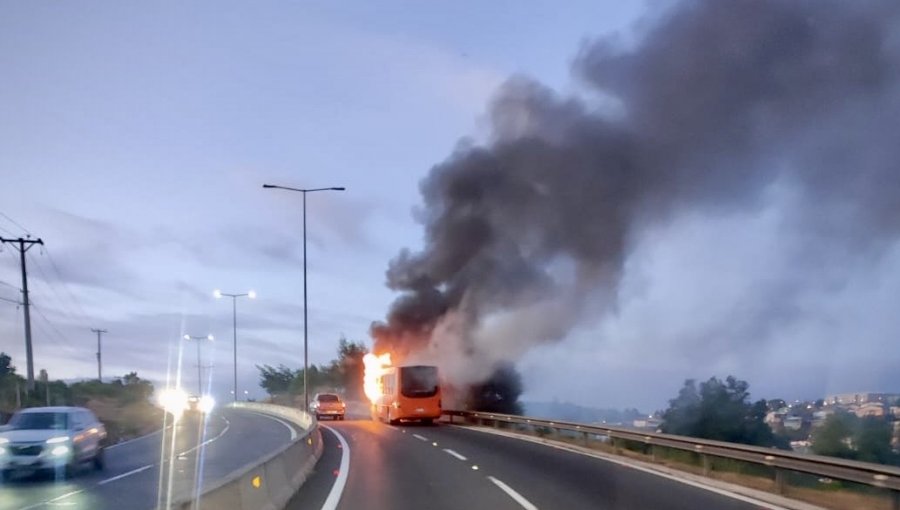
874, 475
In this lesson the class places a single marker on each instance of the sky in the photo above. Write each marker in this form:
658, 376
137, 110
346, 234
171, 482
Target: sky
135, 137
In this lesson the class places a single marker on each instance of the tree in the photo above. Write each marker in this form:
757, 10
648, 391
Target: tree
499, 394
873, 441
721, 411
6, 367
349, 367
275, 380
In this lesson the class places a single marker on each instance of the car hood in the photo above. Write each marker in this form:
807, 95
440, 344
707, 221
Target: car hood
30, 436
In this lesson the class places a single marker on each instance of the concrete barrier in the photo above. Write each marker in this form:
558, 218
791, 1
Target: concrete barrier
270, 482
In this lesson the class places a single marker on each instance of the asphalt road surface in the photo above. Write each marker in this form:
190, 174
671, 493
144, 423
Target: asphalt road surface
449, 467
133, 478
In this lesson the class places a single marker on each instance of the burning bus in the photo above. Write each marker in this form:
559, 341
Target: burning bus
402, 393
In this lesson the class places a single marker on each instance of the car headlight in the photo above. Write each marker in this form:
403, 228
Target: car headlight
59, 451
206, 404
173, 400
3, 440
60, 439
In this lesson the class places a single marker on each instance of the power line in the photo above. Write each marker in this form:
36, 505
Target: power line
56, 330
8, 284
64, 284
8, 232
16, 223
68, 312
13, 301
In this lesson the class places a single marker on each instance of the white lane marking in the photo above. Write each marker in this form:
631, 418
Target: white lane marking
204, 443
279, 420
145, 436
420, 438
458, 456
334, 497
123, 475
54, 500
520, 499
740, 497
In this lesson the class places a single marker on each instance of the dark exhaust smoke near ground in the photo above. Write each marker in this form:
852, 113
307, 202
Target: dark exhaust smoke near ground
712, 107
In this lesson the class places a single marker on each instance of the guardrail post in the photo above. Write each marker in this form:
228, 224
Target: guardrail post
496, 424
617, 445
707, 464
780, 480
586, 438
451, 418
654, 453
895, 500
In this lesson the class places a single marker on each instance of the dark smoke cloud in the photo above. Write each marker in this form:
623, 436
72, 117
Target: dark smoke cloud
714, 106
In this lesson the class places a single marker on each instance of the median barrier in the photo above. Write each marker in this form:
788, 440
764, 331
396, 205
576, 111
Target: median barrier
271, 481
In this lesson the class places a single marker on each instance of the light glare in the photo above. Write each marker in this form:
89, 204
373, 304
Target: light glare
217, 293
251, 294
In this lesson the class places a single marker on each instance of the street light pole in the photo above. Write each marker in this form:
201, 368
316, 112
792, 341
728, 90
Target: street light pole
305, 307
199, 360
219, 294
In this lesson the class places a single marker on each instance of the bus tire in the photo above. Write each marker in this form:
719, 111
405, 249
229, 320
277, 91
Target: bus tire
428, 421
391, 421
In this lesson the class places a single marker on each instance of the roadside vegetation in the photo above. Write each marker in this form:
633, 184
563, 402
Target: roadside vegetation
122, 403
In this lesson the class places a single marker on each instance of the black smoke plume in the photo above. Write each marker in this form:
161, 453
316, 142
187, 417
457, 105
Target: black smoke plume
711, 107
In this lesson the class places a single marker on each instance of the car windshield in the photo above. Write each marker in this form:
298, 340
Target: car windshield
39, 421
329, 398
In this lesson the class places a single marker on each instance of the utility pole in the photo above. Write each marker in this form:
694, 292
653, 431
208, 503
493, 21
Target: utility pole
23, 245
99, 360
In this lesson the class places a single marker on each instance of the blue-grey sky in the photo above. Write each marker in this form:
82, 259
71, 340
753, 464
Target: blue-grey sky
135, 136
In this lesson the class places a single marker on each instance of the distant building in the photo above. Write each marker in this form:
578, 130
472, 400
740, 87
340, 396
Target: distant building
793, 422
647, 423
847, 399
870, 409
819, 417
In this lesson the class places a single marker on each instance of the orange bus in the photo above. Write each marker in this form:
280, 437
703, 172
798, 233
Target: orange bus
408, 393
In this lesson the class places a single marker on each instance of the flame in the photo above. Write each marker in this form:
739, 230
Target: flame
375, 365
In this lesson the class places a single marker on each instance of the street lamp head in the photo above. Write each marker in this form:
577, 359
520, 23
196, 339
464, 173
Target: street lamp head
217, 293
186, 337
339, 189
210, 337
269, 186
251, 294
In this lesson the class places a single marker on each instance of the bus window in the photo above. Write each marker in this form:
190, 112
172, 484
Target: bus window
418, 381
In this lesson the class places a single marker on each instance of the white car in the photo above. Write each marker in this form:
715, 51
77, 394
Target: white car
51, 438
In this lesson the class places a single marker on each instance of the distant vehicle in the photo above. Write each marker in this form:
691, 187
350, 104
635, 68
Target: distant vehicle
51, 438
409, 393
328, 404
200, 405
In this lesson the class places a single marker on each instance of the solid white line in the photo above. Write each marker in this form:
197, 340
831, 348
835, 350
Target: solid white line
279, 420
520, 499
58, 498
334, 497
145, 436
420, 438
204, 443
123, 475
710, 488
458, 456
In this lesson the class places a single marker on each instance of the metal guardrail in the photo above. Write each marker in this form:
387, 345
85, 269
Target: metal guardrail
875, 475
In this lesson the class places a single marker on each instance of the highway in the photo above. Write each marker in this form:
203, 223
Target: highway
450, 467
131, 479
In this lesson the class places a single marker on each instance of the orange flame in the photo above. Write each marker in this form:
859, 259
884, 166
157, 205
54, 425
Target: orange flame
375, 365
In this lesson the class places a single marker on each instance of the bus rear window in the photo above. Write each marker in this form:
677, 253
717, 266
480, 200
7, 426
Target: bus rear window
420, 381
